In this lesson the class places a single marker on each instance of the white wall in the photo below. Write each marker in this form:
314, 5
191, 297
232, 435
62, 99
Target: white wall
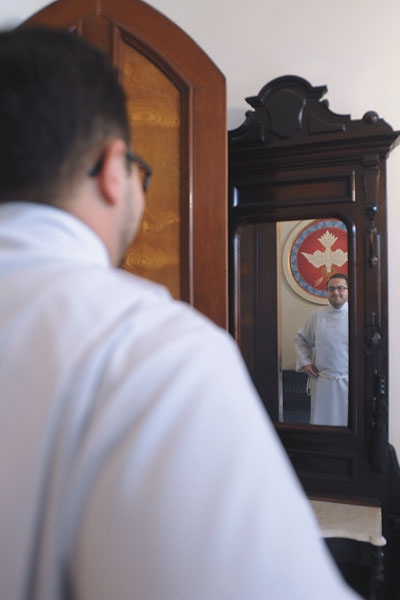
352, 46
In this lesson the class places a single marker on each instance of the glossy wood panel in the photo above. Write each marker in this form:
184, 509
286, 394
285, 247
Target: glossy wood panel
188, 200
154, 109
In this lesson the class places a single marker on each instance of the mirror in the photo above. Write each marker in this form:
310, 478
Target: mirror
293, 163
314, 324
308, 253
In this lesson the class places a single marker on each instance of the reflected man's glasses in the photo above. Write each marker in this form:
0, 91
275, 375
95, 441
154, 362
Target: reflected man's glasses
144, 168
339, 288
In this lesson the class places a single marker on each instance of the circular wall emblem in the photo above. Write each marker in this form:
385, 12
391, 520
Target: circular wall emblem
313, 252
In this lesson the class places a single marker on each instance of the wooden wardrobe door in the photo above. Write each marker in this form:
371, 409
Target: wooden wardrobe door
177, 110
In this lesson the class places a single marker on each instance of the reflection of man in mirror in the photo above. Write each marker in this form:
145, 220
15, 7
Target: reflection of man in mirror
322, 352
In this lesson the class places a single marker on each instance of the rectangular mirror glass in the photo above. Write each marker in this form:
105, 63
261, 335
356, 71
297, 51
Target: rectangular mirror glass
292, 321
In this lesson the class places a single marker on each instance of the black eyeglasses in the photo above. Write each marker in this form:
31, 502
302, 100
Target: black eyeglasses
339, 288
145, 169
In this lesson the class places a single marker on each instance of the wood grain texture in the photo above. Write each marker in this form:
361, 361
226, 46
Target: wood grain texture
188, 201
154, 114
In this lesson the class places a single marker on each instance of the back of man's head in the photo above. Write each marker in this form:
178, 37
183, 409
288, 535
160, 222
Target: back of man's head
60, 100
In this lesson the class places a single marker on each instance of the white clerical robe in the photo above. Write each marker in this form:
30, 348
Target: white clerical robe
324, 341
137, 462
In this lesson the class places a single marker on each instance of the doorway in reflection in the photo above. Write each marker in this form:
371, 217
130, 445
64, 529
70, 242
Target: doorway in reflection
284, 271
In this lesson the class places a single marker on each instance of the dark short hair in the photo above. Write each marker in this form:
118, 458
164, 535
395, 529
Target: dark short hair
60, 100
338, 276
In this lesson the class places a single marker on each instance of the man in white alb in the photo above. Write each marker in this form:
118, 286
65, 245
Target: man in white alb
322, 348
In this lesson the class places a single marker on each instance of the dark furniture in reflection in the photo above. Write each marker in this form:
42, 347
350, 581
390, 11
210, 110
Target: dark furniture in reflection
293, 159
296, 401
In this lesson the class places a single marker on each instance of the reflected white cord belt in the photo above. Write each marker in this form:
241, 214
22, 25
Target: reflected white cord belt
324, 376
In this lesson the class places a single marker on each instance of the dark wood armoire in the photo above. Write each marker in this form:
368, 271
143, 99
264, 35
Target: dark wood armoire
293, 163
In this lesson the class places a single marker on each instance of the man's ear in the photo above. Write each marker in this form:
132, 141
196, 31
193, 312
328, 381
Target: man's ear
112, 175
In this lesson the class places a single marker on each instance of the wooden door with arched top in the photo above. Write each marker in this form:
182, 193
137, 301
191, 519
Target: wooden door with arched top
177, 111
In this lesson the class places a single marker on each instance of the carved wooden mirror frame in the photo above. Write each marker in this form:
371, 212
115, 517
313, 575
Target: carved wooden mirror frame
294, 159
